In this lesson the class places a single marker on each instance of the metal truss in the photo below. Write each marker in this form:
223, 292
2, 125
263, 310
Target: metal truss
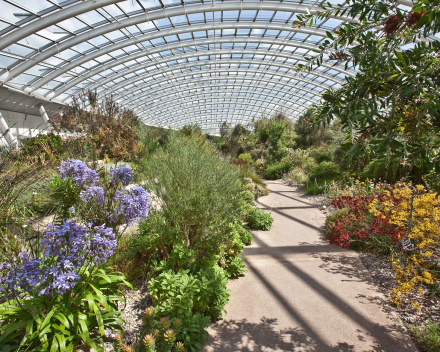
172, 62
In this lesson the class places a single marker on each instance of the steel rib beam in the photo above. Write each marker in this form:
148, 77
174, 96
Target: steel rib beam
169, 95
120, 85
125, 92
192, 55
224, 99
184, 10
129, 57
194, 85
53, 18
199, 106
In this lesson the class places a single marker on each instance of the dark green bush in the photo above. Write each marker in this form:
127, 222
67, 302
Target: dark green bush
276, 171
325, 170
248, 197
245, 236
323, 153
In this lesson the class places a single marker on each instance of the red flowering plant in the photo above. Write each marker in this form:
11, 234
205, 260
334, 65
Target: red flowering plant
353, 226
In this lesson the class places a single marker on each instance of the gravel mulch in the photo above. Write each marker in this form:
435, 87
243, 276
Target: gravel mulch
383, 278
136, 302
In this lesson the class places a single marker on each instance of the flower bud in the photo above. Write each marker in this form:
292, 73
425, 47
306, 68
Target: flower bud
127, 348
179, 347
149, 342
170, 336
148, 315
164, 324
176, 325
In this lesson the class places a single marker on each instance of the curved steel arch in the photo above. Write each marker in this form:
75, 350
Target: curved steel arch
268, 83
192, 9
208, 53
120, 85
225, 100
128, 101
181, 44
53, 18
220, 78
71, 11
176, 123
171, 96
199, 107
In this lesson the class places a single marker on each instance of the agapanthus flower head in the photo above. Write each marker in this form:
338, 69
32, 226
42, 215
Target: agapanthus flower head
92, 194
122, 175
78, 171
67, 249
132, 203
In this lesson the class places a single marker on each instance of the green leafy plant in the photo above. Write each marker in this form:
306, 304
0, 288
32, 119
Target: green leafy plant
157, 335
63, 322
193, 299
428, 335
235, 266
391, 107
325, 170
43, 146
258, 219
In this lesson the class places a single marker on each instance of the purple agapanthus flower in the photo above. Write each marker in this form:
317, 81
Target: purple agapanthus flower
132, 203
122, 175
92, 194
78, 171
68, 249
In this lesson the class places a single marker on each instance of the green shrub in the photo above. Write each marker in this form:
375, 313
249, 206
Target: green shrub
61, 322
235, 267
245, 236
325, 170
427, 336
323, 153
43, 146
260, 220
295, 176
197, 192
312, 188
379, 168
157, 245
244, 160
300, 158
276, 171
194, 299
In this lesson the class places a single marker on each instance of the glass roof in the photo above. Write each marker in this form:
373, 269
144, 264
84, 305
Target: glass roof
174, 62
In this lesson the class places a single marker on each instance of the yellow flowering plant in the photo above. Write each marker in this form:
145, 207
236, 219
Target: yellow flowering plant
418, 211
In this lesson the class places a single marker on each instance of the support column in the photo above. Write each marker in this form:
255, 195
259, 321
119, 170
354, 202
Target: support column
43, 114
4, 128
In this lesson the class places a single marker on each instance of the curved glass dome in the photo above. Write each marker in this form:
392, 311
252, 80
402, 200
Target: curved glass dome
173, 62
